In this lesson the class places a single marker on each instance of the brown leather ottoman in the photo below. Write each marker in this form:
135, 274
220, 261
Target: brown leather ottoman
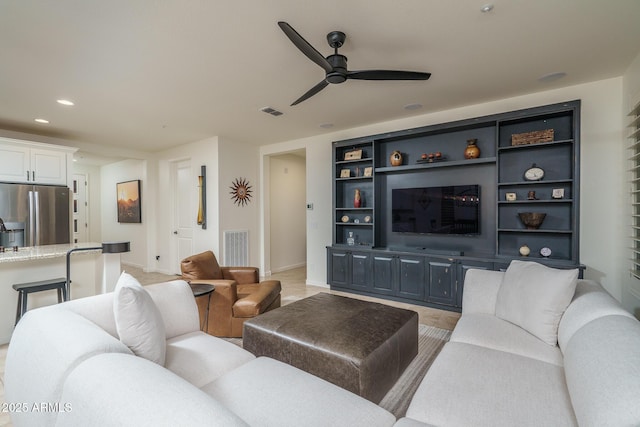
360, 346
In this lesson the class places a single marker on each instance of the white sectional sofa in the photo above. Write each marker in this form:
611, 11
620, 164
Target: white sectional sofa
67, 366
495, 373
534, 347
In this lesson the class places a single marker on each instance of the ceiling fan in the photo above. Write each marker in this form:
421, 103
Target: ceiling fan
335, 65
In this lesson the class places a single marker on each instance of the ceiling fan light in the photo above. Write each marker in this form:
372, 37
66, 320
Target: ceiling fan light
65, 102
335, 65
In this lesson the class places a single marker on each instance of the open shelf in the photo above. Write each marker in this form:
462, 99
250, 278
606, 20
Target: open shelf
366, 159
536, 145
375, 266
438, 164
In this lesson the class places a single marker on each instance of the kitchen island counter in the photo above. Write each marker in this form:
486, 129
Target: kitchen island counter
43, 252
37, 263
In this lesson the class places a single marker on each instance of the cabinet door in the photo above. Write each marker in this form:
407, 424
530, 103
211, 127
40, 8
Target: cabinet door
442, 279
360, 270
383, 274
48, 166
339, 268
14, 164
411, 282
463, 267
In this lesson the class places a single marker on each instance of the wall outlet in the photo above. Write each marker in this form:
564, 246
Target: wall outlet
310, 206
157, 257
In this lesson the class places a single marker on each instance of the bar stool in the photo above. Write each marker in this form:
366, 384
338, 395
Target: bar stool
24, 289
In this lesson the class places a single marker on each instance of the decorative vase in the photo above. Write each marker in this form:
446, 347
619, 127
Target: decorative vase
357, 199
396, 158
351, 241
472, 151
524, 250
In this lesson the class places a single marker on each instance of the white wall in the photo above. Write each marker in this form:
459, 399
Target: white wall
111, 229
602, 239
204, 152
630, 285
238, 160
287, 184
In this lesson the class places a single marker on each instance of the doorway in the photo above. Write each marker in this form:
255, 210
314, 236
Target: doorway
80, 208
287, 211
182, 229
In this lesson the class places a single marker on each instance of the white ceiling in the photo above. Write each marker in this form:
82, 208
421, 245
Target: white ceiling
152, 74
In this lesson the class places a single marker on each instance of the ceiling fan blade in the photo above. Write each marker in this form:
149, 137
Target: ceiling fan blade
387, 75
317, 88
305, 47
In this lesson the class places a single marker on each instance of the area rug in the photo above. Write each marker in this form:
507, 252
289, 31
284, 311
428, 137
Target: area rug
430, 342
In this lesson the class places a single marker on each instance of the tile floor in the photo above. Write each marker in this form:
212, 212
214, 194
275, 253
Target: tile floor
293, 288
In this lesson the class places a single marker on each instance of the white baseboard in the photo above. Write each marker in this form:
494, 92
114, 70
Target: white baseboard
131, 264
146, 269
288, 267
320, 284
161, 271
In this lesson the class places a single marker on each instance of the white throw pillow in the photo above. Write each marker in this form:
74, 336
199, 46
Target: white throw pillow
138, 320
534, 297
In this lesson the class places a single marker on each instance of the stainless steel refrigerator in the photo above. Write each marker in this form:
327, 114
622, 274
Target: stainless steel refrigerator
34, 215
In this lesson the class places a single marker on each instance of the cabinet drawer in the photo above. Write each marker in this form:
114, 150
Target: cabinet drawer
441, 282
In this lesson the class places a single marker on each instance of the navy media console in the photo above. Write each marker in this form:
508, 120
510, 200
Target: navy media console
418, 248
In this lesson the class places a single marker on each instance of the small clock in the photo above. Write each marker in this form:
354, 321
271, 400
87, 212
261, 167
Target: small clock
534, 173
545, 252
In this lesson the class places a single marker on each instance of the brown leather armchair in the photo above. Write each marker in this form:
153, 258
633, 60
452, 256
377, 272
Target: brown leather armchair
239, 294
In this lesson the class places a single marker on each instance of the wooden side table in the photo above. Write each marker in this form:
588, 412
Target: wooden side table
203, 290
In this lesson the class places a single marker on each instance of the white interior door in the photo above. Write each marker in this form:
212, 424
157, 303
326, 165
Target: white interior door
80, 208
184, 212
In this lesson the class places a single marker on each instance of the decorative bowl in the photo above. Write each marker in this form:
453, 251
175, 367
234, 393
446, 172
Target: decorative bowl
532, 220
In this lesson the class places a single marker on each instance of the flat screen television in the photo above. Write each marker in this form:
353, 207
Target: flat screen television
453, 209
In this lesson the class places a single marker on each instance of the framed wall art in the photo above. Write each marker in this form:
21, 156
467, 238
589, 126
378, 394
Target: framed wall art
129, 208
557, 193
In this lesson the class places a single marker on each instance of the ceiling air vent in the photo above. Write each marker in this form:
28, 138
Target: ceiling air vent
271, 111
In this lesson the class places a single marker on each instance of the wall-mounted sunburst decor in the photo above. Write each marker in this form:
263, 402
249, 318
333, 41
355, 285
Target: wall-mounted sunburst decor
240, 191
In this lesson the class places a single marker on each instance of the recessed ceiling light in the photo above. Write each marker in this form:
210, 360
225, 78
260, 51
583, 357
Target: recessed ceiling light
326, 125
414, 106
65, 102
42, 121
486, 8
552, 77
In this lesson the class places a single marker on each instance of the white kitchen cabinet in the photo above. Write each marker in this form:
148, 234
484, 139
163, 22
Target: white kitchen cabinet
33, 163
